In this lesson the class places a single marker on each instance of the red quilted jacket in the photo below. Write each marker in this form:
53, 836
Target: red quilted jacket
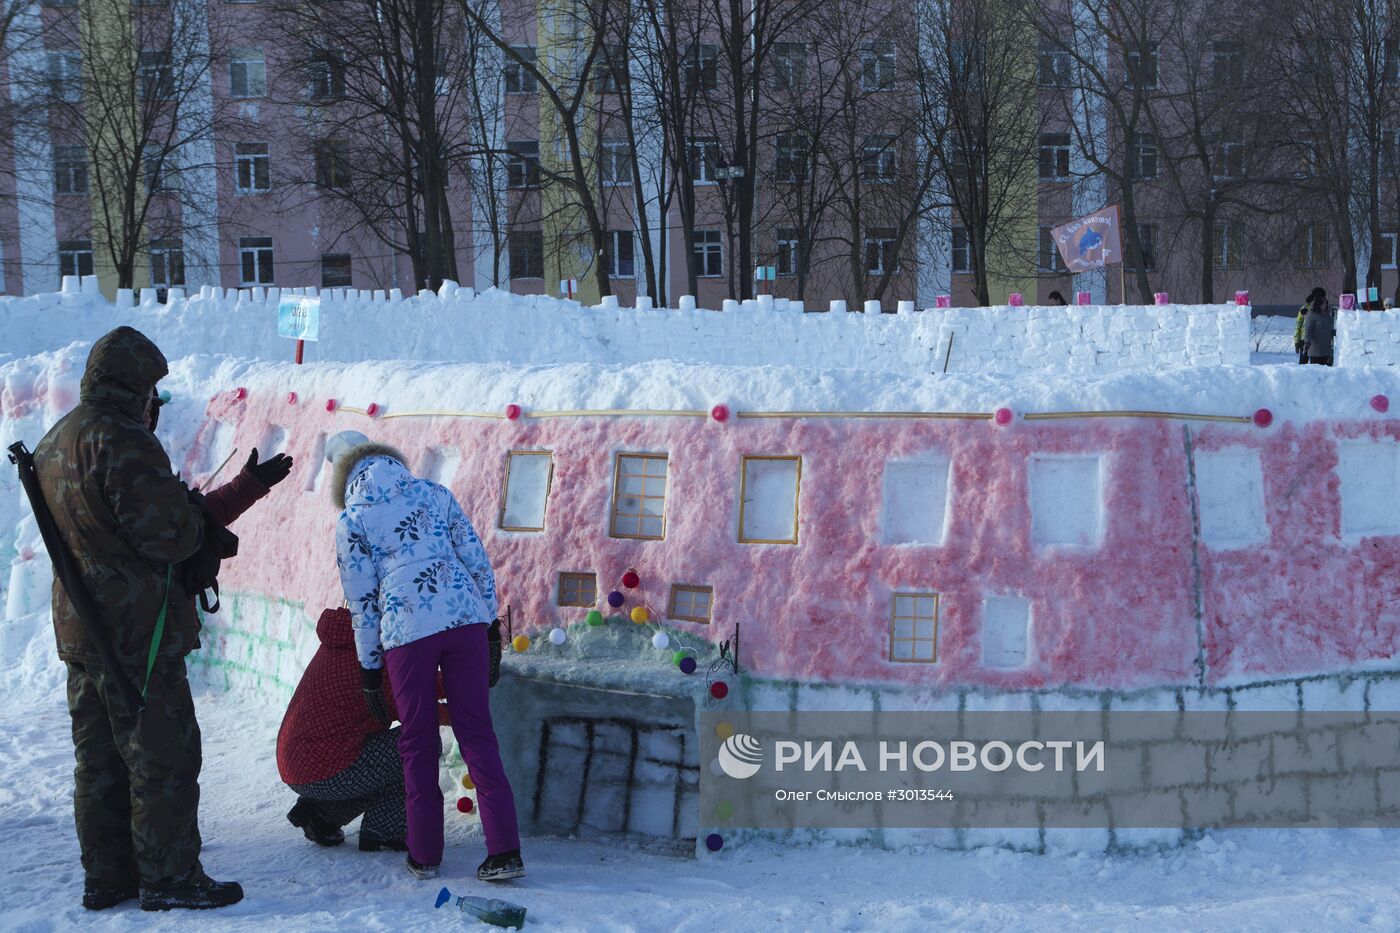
328, 720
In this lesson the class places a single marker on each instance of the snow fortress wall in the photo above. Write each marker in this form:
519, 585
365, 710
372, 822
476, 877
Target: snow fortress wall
461, 326
1368, 338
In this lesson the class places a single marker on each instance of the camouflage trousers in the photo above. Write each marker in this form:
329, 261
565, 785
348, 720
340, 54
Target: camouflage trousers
136, 784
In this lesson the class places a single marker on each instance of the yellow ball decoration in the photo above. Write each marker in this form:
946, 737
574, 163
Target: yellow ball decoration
724, 730
469, 784
521, 643
641, 615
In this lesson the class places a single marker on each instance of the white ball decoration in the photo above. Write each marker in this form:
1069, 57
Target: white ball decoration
660, 640
557, 636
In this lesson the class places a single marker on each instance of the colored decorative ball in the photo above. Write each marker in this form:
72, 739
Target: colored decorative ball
291, 398
594, 617
641, 615
1003, 416
1380, 403
631, 579
615, 599
719, 690
677, 657
513, 412
165, 396
330, 404
724, 730
714, 842
521, 643
465, 805
687, 665
1263, 418
467, 781
660, 640
373, 409
724, 810
240, 393
557, 636
720, 413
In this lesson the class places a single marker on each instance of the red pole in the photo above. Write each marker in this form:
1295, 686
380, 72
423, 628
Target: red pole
300, 345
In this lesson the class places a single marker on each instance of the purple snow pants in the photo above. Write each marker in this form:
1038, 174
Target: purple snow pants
462, 654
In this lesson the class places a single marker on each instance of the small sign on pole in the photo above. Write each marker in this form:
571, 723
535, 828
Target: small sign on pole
567, 288
765, 274
299, 319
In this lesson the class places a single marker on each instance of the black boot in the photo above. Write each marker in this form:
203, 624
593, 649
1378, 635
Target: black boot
369, 842
501, 867
304, 817
101, 898
421, 872
194, 890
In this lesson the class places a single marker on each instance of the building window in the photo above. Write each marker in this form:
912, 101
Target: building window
1227, 63
1054, 156
523, 164
74, 257
962, 251
1387, 249
1229, 245
335, 270
247, 73
251, 168
1056, 65
525, 492
1146, 242
1144, 156
691, 603
332, 165
789, 252
1141, 71
1229, 160
702, 68
255, 260
158, 169
789, 65
1049, 253
616, 162
704, 156
768, 496
1312, 252
880, 251
518, 78
622, 263
877, 65
709, 252
914, 627
791, 166
65, 70
1390, 150
639, 497
326, 77
167, 263
578, 589
609, 70
877, 159
155, 76
526, 254
70, 174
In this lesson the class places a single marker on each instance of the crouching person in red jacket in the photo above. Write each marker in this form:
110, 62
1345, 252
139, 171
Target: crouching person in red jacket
336, 751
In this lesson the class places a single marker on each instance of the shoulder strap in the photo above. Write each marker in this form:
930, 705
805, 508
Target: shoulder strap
160, 630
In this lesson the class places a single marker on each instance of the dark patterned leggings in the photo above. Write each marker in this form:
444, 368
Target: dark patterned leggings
373, 785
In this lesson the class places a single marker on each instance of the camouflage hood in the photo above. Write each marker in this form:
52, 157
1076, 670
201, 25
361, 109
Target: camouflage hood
122, 369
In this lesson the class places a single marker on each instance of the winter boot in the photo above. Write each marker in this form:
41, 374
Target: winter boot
194, 890
304, 817
421, 872
369, 842
501, 867
102, 898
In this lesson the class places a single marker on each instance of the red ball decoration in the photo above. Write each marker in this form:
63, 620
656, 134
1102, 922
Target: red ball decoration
465, 805
373, 409
720, 413
631, 580
330, 404
291, 398
1003, 416
1380, 403
1263, 418
240, 393
719, 690
512, 412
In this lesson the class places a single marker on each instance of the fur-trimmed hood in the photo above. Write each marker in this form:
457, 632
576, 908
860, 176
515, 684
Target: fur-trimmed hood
385, 482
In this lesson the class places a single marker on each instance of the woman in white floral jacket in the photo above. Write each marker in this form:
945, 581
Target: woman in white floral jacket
421, 592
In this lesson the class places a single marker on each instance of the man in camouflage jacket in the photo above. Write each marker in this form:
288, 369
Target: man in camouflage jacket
128, 520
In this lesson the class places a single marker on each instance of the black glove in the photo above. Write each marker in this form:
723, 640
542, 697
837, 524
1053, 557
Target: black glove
269, 472
493, 643
1297, 346
372, 681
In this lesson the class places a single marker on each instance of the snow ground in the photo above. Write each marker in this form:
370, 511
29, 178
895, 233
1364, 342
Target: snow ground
1239, 881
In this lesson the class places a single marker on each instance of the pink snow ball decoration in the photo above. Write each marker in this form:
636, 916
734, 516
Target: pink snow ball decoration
1002, 417
240, 393
1263, 418
512, 412
291, 398
330, 404
631, 579
1161, 298
714, 842
943, 301
615, 599
1380, 403
464, 805
720, 413
1241, 298
1016, 301
719, 690
373, 409
1084, 298
687, 665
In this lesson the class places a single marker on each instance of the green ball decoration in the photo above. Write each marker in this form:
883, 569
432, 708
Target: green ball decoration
594, 617
724, 810
677, 657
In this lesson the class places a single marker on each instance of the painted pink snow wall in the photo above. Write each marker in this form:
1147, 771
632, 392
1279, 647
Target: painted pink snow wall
1135, 611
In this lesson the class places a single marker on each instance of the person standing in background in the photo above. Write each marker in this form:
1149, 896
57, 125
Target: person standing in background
1319, 329
1299, 346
